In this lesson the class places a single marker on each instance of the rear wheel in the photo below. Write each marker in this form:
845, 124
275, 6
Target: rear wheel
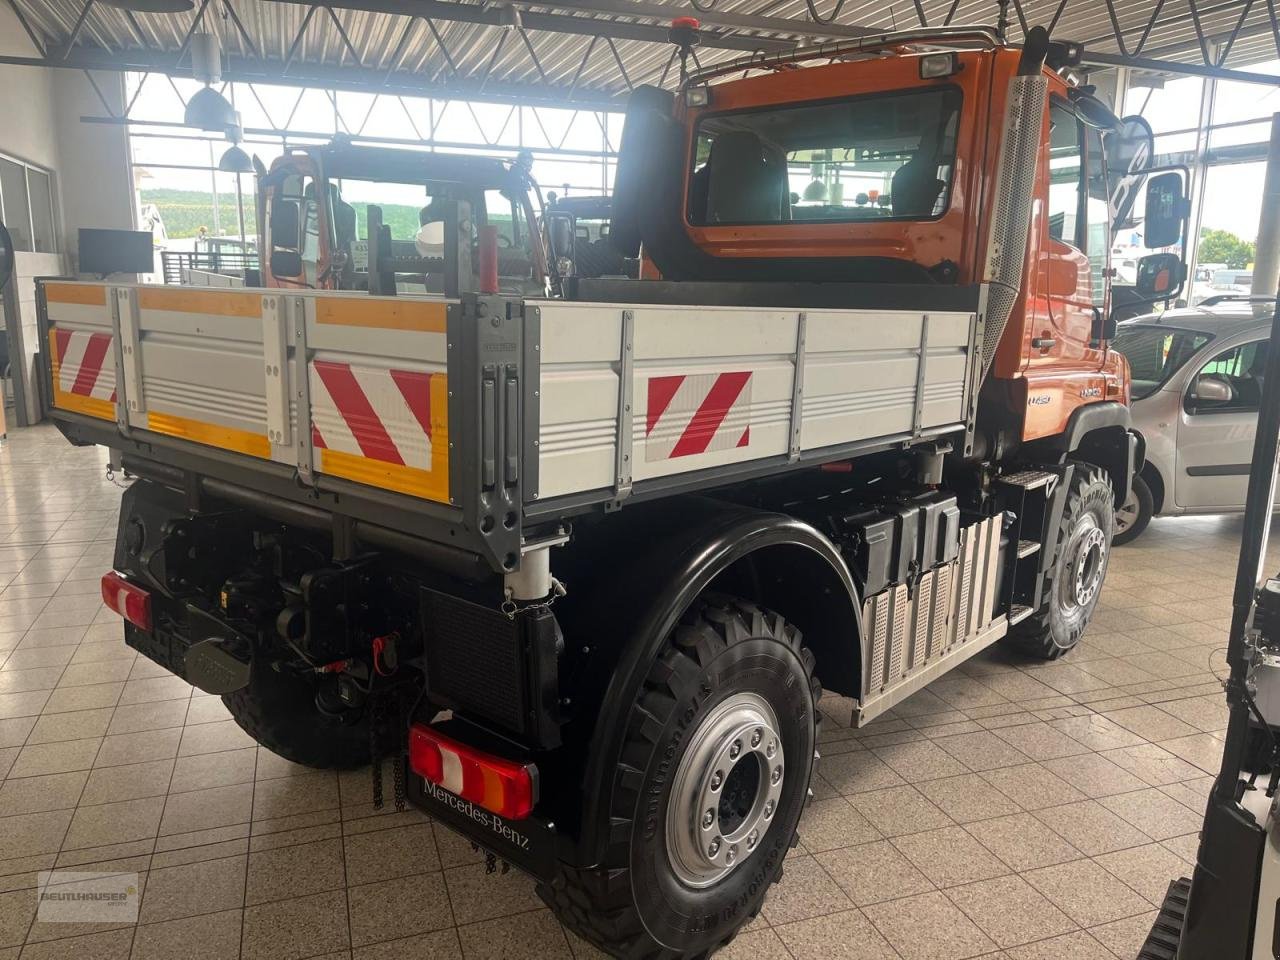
713, 779
1135, 513
1073, 582
278, 709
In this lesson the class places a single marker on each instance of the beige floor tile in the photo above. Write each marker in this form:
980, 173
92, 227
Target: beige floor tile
17, 910
834, 823
848, 935
293, 929
1091, 828
1071, 946
1023, 842
1039, 741
982, 751
44, 758
1125, 937
949, 856
1086, 892
212, 737
33, 833
207, 809
476, 895
138, 747
1094, 775
386, 854
1032, 786
398, 908
291, 795
118, 822
1158, 816
1010, 911
54, 791
213, 936
294, 871
899, 810
14, 731
929, 927
90, 697
852, 773
527, 936
873, 872
968, 798
1147, 869
919, 760
129, 782
156, 715
440, 945
207, 770
110, 945
805, 891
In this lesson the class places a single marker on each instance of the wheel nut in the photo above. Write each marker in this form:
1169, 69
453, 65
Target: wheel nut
756, 737
708, 819
777, 774
732, 855
735, 750
771, 749
714, 848
752, 838
768, 810
717, 778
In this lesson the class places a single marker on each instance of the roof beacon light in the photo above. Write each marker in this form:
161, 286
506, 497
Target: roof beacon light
936, 65
697, 96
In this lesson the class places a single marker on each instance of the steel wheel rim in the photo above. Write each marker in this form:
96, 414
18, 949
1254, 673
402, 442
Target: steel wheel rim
1087, 559
1127, 515
726, 790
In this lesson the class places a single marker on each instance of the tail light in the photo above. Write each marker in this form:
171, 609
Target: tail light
130, 601
504, 787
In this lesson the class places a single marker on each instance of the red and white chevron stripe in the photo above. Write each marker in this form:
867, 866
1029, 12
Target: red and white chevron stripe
699, 413
373, 412
81, 361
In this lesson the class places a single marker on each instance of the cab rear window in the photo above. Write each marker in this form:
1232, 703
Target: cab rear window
883, 157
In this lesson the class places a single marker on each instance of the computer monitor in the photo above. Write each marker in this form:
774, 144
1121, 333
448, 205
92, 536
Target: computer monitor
104, 252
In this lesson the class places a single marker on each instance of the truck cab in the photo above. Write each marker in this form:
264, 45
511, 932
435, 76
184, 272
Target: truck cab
348, 217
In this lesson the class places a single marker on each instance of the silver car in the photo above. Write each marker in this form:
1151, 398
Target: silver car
1197, 380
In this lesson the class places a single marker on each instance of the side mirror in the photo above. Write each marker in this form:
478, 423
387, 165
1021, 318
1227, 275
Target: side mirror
1210, 391
286, 263
560, 234
1160, 276
6, 256
285, 225
1130, 151
1166, 211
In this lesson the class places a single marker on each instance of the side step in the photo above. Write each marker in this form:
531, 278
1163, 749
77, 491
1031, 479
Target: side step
1166, 932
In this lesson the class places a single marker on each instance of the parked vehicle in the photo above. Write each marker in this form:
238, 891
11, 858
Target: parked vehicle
576, 564
1197, 380
578, 236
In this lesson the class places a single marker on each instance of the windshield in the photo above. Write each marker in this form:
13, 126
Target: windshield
888, 156
1155, 353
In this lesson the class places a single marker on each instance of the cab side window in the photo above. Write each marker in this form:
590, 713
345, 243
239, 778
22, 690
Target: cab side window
1066, 177
1234, 381
1097, 217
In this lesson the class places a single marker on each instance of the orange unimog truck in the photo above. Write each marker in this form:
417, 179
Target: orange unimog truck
576, 563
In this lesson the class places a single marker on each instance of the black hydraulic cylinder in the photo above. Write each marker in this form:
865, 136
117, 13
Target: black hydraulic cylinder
1222, 906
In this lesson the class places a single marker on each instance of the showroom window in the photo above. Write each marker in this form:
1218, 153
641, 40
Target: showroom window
26, 205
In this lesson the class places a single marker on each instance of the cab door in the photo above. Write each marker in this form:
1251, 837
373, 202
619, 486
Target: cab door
1076, 255
1216, 428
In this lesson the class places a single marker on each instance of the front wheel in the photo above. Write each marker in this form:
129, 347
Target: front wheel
1135, 513
1073, 582
713, 778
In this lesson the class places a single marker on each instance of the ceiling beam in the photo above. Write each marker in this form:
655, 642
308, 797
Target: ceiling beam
588, 26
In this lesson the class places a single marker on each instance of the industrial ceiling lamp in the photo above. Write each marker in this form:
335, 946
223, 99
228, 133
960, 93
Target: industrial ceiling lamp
208, 109
235, 160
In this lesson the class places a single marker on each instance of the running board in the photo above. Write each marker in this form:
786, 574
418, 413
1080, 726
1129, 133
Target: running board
1166, 932
872, 707
913, 634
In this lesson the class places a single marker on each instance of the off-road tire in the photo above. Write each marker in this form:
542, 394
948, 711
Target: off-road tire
627, 906
1146, 504
278, 710
1050, 632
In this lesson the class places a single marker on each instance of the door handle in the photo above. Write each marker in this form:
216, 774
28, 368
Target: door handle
1043, 343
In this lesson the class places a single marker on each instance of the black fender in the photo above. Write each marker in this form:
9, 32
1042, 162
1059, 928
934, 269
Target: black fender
679, 552
1100, 433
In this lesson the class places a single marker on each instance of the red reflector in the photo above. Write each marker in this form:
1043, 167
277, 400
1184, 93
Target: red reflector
131, 602
504, 787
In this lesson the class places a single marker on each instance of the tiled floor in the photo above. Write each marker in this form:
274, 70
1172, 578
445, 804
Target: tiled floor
1019, 810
